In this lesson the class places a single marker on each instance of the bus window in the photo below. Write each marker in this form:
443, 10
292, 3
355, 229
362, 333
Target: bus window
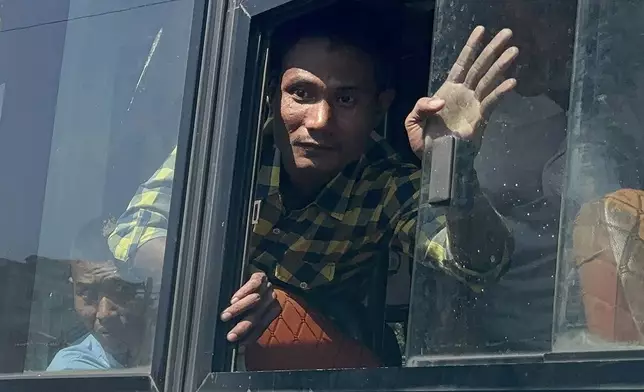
519, 168
602, 247
560, 162
335, 206
90, 105
321, 228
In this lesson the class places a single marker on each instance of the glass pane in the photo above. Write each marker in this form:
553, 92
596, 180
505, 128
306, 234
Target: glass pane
16, 15
520, 171
602, 247
91, 94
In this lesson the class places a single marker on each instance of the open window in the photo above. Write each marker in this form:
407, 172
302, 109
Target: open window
382, 290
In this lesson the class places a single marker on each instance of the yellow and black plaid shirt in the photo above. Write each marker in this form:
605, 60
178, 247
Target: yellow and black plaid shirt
366, 211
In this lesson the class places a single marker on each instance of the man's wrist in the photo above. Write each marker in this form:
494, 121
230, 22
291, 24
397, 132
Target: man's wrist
465, 181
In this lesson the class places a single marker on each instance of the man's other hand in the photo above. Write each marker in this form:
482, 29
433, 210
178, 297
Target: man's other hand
473, 88
254, 306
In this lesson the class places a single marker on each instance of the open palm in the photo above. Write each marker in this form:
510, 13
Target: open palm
463, 103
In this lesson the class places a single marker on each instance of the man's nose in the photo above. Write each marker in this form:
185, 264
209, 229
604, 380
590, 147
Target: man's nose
106, 309
319, 115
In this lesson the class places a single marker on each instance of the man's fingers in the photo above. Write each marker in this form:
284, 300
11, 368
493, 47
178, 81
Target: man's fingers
495, 73
240, 307
426, 107
254, 283
467, 56
241, 329
492, 100
489, 55
246, 303
256, 321
273, 310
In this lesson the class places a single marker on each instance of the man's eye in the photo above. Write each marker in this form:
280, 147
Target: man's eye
301, 93
346, 100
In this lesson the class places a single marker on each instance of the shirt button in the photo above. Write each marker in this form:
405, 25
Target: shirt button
304, 286
276, 231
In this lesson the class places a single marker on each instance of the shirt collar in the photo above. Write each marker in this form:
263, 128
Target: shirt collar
98, 350
333, 198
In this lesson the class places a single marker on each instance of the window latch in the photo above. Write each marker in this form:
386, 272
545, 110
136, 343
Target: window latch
441, 178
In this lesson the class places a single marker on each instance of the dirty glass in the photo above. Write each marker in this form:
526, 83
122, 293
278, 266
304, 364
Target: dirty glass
601, 261
561, 162
91, 96
520, 169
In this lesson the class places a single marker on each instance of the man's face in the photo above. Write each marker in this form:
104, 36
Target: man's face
328, 103
112, 309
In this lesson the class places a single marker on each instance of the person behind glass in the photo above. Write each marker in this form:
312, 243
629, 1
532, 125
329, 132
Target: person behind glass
521, 169
332, 193
530, 128
112, 303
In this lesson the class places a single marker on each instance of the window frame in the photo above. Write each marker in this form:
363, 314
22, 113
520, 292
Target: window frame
195, 138
213, 208
248, 19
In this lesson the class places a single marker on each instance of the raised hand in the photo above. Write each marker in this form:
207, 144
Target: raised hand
474, 86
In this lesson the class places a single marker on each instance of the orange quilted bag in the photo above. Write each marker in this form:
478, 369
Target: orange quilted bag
609, 250
300, 338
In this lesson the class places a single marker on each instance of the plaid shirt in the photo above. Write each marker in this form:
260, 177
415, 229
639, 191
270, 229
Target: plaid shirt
366, 211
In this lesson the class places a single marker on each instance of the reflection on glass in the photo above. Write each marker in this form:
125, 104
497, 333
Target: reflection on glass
1, 99
520, 167
574, 200
112, 305
90, 106
601, 268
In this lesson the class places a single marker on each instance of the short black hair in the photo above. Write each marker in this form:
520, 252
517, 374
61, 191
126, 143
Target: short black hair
374, 29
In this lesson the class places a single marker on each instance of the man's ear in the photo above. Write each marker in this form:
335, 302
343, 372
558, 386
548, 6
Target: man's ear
271, 100
385, 98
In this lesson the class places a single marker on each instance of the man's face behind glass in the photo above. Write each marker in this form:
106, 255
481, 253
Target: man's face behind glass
112, 309
328, 103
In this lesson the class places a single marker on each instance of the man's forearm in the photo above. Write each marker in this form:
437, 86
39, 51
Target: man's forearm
479, 239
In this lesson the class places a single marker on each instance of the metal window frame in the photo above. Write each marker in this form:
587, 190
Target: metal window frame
239, 102
555, 374
243, 48
113, 382
228, 197
217, 140
191, 175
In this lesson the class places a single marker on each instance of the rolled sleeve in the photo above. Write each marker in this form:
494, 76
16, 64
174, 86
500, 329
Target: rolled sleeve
423, 232
146, 216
